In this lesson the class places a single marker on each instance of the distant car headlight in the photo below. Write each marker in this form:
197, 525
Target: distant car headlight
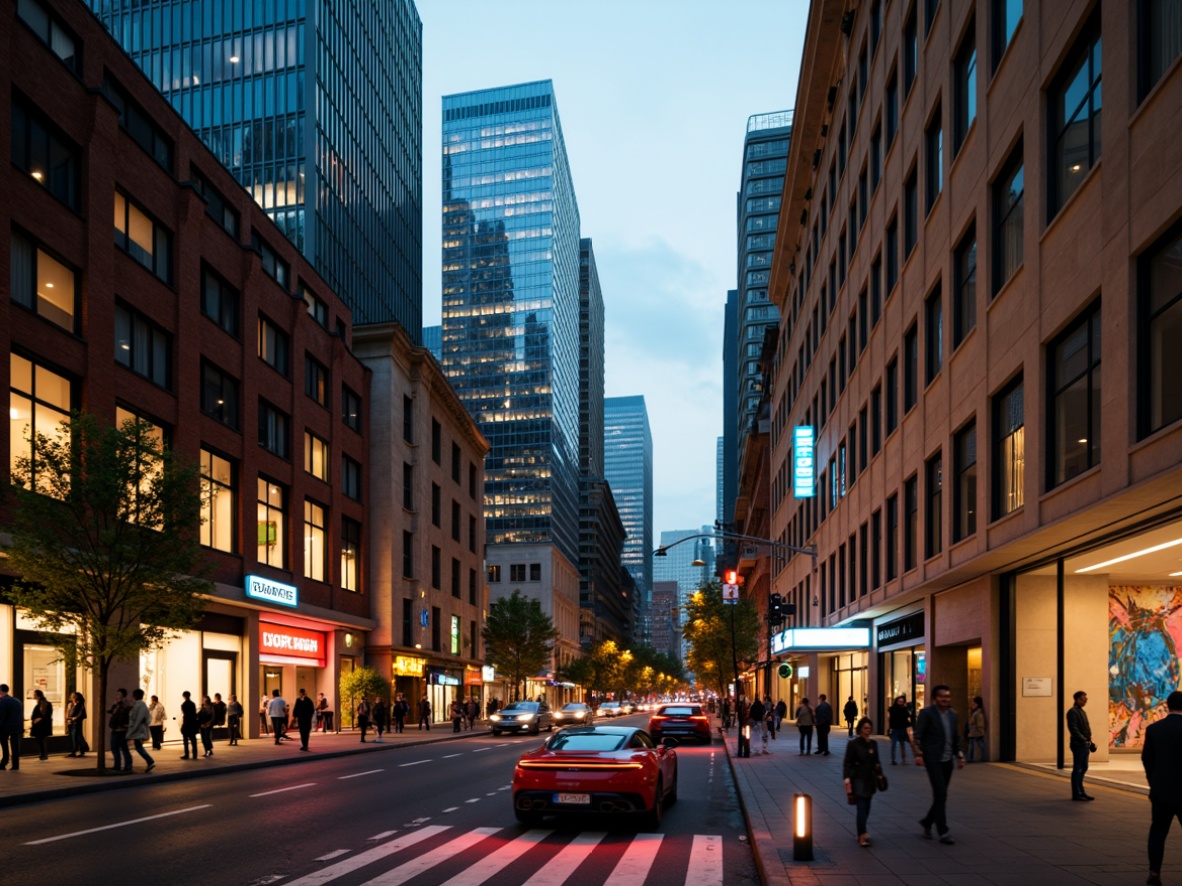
496, 718
580, 714
526, 717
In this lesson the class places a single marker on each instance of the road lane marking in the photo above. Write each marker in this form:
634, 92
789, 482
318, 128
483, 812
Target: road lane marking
369, 856
334, 854
359, 774
294, 787
382, 836
705, 861
121, 824
451, 808
559, 868
478, 750
491, 794
428, 860
505, 788
449, 756
415, 763
499, 860
638, 859
473, 800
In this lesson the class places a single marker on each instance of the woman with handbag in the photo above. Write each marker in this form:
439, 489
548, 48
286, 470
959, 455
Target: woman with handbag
75, 714
863, 774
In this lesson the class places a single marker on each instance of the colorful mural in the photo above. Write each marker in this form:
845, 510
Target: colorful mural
1145, 634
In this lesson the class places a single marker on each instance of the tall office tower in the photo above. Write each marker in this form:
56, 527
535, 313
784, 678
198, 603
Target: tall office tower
433, 341
677, 563
665, 619
317, 111
591, 321
765, 157
628, 466
730, 405
719, 472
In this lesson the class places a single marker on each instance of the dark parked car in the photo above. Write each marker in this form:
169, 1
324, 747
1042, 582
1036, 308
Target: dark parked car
522, 716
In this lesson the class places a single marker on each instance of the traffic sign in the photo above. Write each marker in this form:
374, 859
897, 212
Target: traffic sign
730, 593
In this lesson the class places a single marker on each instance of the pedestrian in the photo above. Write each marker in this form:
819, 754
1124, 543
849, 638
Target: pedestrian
138, 719
823, 714
744, 737
363, 717
234, 715
321, 707
219, 713
862, 771
75, 717
304, 712
399, 710
1081, 745
424, 714
41, 723
188, 725
769, 716
1161, 755
380, 717
205, 724
757, 720
156, 723
781, 713
117, 719
473, 712
725, 714
899, 727
976, 733
329, 715
805, 720
850, 713
265, 714
12, 727
277, 711
457, 714
936, 746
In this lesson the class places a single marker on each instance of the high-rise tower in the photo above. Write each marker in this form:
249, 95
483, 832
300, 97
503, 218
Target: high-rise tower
628, 465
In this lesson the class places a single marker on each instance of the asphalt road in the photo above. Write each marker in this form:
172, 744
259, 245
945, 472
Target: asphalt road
427, 815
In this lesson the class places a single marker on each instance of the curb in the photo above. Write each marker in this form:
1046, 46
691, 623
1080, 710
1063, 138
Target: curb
755, 838
82, 786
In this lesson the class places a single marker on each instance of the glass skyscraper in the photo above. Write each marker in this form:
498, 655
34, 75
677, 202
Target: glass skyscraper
511, 305
628, 466
317, 110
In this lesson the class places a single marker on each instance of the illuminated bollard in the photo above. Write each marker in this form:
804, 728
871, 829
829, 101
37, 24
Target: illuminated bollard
802, 827
745, 740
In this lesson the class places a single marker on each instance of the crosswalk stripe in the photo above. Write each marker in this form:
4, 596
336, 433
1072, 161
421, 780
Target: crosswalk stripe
561, 866
499, 860
633, 868
705, 863
447, 851
341, 868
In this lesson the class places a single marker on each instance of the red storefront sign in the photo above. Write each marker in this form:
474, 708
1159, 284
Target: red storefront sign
285, 643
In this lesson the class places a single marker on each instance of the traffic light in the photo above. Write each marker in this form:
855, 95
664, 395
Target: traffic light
730, 577
775, 610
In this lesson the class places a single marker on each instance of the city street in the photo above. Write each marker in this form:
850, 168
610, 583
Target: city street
438, 814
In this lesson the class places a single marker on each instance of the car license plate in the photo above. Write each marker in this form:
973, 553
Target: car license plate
573, 799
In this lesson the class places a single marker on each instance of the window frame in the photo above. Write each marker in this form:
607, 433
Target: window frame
28, 127
274, 431
228, 414
31, 299
159, 261
1151, 412
264, 507
964, 482
209, 483
1089, 322
964, 87
229, 302
1005, 209
1085, 56
964, 286
160, 376
933, 505
1001, 507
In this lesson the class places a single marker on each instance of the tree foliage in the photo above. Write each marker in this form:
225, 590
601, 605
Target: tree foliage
606, 668
708, 633
518, 637
357, 684
105, 540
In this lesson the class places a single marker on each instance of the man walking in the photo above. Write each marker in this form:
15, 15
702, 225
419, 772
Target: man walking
380, 718
757, 720
188, 724
156, 717
400, 710
304, 712
277, 711
1161, 755
12, 724
424, 714
899, 722
936, 747
823, 714
219, 712
138, 720
1081, 745
850, 713
120, 713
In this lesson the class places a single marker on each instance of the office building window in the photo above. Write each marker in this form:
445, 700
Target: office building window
516, 572
350, 555
408, 486
472, 586
930, 8
219, 506
351, 477
1009, 450
274, 346
219, 301
892, 396
454, 635
964, 87
964, 302
317, 308
910, 368
933, 517
436, 568
472, 481
351, 408
964, 490
315, 541
408, 631
910, 51
892, 537
875, 421
875, 24
455, 578
48, 157
910, 212
1160, 322
455, 462
862, 438
139, 125
408, 419
455, 520
273, 266
875, 290
910, 523
216, 206
436, 442
933, 346
315, 380
271, 510
142, 346
1075, 398
219, 395
1074, 103
875, 160
1006, 15
435, 629
408, 554
934, 159
892, 254
494, 574
1008, 191
273, 434
143, 238
436, 505
60, 40
472, 534
1159, 27
890, 109
43, 284
316, 456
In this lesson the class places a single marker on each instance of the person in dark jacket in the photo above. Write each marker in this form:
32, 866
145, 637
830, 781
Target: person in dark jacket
219, 713
1081, 745
861, 769
805, 720
400, 710
757, 720
304, 712
363, 718
188, 725
899, 724
1161, 755
936, 745
823, 714
41, 721
118, 715
205, 724
850, 713
234, 715
12, 725
381, 718
424, 714
781, 713
75, 717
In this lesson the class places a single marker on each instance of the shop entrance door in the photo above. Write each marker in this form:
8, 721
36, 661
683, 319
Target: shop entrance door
220, 670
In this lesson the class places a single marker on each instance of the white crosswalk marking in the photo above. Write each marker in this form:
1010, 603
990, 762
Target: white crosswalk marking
562, 865
705, 864
448, 850
499, 860
638, 859
341, 868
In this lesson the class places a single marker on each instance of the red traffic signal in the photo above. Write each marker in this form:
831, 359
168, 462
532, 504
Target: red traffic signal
730, 577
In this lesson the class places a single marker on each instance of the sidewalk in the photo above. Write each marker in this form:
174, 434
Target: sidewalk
1013, 824
37, 780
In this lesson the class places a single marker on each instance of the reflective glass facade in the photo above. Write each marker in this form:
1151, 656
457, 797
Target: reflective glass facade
511, 305
628, 466
318, 115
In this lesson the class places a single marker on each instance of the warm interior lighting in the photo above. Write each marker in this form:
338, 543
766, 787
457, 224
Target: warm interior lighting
1152, 550
799, 817
49, 286
1175, 574
38, 175
1075, 167
1084, 440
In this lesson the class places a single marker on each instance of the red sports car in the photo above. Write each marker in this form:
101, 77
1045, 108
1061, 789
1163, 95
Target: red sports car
596, 769
680, 721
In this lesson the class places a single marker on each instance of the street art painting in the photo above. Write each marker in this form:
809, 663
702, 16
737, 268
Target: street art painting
1145, 634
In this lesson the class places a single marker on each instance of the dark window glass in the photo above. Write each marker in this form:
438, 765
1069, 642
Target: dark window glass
910, 523
408, 554
43, 284
455, 462
964, 493
910, 369
964, 79
142, 346
1074, 127
455, 578
273, 266
1075, 398
141, 237
892, 254
875, 291
875, 24
139, 125
933, 517
1009, 450
910, 213
219, 301
1008, 192
216, 206
892, 537
317, 309
863, 320
1160, 25
455, 521
219, 395
436, 505
933, 336
49, 158
52, 32
892, 396
875, 550
934, 159
351, 477
274, 346
929, 15
436, 442
862, 423
273, 429
875, 159
890, 109
436, 568
351, 555
408, 486
315, 380
876, 420
351, 409
408, 419
910, 51
964, 304
1006, 15
1160, 333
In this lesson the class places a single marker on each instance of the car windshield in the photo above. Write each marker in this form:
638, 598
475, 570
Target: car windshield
586, 741
681, 711
521, 706
574, 707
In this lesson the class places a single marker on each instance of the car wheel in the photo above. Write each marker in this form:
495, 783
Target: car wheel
652, 818
529, 819
496, 733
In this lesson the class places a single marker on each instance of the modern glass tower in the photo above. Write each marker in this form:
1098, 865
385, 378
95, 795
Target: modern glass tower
511, 305
628, 466
317, 110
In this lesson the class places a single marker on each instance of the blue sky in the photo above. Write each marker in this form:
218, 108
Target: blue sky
654, 97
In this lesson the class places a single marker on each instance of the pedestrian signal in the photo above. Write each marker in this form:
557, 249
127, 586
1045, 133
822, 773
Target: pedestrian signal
785, 670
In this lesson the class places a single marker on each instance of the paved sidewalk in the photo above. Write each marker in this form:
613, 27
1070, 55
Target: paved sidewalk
1013, 825
42, 780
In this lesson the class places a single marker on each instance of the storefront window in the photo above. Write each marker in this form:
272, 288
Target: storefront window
39, 401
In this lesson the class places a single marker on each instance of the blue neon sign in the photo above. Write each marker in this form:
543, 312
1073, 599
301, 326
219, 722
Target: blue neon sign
803, 462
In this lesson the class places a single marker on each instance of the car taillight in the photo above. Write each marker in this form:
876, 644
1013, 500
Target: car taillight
657, 718
701, 719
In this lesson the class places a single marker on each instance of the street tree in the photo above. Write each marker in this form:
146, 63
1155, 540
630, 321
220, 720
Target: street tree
518, 637
719, 634
105, 541
361, 683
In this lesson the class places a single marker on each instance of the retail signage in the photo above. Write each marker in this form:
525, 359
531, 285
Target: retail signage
804, 482
424, 618
272, 591
289, 642
408, 666
473, 677
900, 630
821, 638
441, 679
1038, 687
